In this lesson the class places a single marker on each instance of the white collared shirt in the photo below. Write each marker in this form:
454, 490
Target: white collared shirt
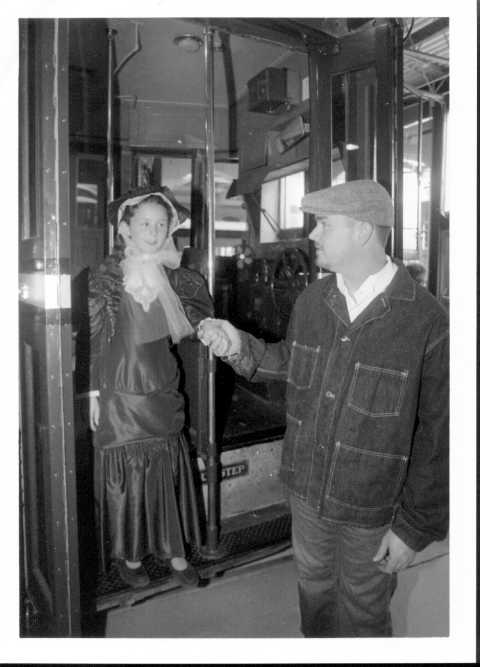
368, 290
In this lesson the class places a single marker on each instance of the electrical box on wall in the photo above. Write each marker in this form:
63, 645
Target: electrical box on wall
274, 90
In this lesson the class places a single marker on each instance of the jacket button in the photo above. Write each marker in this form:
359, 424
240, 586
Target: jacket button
329, 394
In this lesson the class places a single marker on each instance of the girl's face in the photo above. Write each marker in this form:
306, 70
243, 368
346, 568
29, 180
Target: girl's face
149, 227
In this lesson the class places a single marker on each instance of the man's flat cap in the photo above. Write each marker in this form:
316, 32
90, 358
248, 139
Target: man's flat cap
363, 200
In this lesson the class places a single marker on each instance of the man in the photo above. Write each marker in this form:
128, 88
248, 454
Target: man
365, 455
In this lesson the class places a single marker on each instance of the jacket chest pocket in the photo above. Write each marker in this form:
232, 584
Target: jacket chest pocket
302, 365
377, 392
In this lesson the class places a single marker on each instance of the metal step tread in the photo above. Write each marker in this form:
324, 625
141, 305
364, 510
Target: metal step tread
244, 538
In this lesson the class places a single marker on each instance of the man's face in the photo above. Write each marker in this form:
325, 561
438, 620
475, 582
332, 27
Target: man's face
149, 227
335, 241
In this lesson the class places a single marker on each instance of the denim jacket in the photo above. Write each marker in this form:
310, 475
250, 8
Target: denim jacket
366, 440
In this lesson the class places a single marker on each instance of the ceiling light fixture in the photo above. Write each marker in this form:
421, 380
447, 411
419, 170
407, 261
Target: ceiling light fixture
188, 42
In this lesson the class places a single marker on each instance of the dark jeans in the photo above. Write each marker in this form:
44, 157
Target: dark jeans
342, 592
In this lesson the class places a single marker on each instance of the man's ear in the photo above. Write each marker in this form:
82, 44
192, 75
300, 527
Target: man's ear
366, 232
124, 230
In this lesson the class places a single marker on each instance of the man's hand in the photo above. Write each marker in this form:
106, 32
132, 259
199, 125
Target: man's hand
393, 554
220, 336
94, 412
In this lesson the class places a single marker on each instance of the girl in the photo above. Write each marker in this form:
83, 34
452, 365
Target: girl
140, 303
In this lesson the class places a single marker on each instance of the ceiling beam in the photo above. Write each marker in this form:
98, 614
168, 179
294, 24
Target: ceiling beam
429, 30
308, 29
278, 32
430, 57
418, 92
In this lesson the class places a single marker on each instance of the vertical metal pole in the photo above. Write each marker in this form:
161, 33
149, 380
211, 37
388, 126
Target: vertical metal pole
419, 172
210, 151
320, 152
213, 483
110, 182
397, 163
320, 146
436, 217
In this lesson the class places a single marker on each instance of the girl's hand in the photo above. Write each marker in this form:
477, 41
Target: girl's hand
94, 412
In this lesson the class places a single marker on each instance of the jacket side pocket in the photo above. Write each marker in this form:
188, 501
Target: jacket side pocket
365, 479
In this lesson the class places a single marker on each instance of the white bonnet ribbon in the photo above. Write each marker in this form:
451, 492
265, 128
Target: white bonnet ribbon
174, 222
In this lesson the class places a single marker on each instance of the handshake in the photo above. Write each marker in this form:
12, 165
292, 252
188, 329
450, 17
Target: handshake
220, 336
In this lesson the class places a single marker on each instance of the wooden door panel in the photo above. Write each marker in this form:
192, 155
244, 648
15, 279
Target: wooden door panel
36, 510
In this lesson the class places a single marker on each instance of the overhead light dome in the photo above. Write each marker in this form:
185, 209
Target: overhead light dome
188, 42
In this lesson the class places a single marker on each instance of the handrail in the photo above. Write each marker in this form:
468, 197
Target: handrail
213, 484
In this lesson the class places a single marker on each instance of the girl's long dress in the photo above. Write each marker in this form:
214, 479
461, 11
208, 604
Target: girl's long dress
144, 486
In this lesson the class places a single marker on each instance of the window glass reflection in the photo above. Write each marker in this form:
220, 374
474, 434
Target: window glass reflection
280, 208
